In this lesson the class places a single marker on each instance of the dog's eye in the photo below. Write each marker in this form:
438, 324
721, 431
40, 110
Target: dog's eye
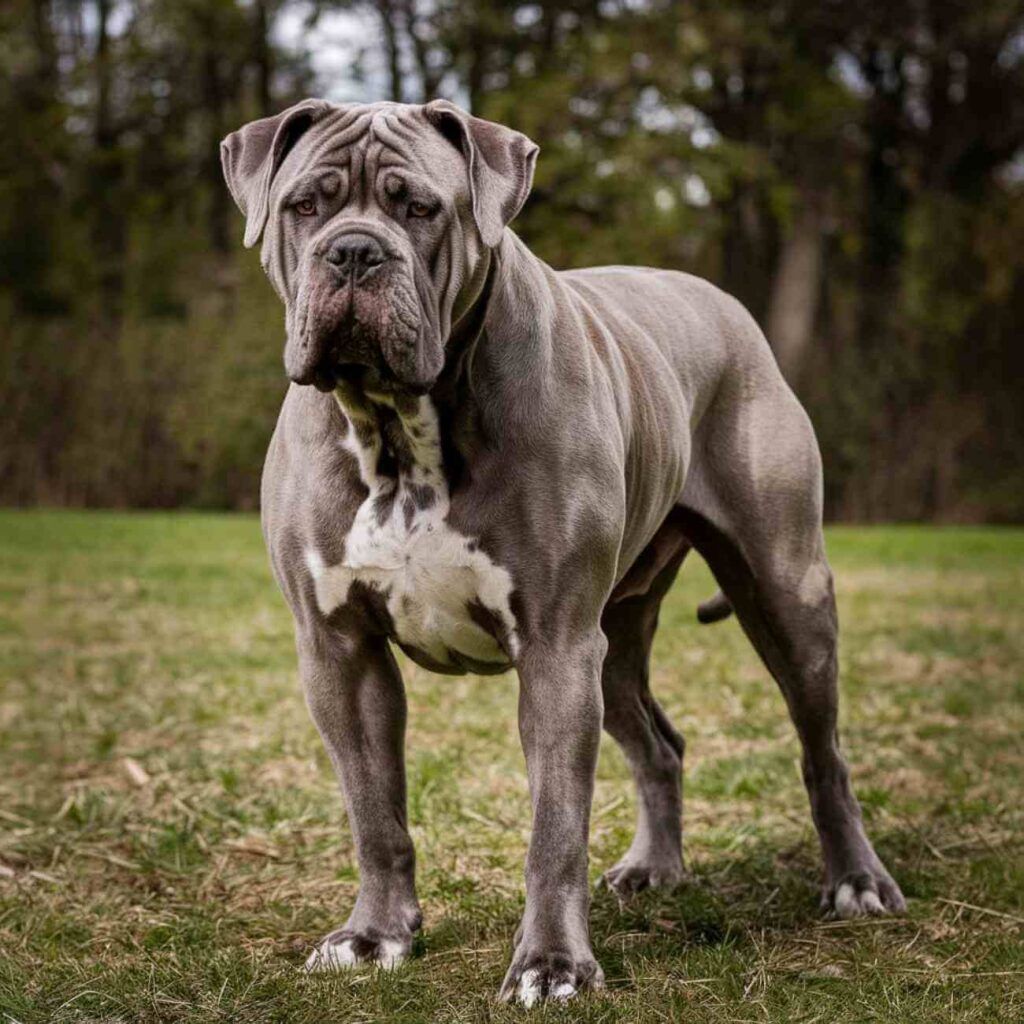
305, 207
420, 210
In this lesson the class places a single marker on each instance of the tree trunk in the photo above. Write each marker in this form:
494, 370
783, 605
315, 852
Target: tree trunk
430, 77
263, 58
886, 202
387, 12
475, 46
213, 106
108, 228
747, 246
796, 285
46, 51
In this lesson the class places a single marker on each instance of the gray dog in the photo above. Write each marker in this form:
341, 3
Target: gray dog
503, 466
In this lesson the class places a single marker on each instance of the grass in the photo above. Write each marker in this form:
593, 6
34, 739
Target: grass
171, 840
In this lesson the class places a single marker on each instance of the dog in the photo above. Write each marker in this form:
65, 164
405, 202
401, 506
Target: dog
493, 465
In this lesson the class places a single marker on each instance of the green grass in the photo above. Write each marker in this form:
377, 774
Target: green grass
194, 891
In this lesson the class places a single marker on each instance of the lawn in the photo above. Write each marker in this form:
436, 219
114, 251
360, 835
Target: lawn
171, 839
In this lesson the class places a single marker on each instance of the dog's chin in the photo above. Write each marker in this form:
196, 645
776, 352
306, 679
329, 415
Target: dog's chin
324, 380
393, 364
389, 389
367, 382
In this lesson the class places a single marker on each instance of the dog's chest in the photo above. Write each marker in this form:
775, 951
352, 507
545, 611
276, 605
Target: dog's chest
447, 600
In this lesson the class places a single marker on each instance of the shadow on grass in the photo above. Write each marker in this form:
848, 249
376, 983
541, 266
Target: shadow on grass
726, 897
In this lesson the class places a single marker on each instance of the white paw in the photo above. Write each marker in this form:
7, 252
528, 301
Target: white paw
629, 877
850, 903
531, 989
330, 956
390, 954
346, 953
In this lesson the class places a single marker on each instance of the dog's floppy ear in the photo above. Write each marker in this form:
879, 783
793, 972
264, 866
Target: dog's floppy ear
252, 155
500, 161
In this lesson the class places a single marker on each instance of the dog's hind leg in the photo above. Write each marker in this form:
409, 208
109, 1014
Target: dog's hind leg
757, 522
633, 717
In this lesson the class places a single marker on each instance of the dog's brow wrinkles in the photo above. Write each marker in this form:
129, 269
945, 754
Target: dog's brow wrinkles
337, 138
360, 136
389, 160
391, 131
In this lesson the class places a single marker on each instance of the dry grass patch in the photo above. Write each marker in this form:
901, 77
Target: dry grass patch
171, 838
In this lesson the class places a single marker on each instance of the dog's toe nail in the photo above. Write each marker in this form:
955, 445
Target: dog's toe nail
846, 903
331, 956
529, 990
563, 990
892, 898
336, 956
390, 954
864, 895
870, 903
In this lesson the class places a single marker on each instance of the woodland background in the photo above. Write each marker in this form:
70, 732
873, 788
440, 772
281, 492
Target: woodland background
853, 170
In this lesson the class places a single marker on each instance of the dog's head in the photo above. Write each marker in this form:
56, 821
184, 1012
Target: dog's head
375, 222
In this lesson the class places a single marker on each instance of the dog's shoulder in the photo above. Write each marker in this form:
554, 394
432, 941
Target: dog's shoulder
310, 491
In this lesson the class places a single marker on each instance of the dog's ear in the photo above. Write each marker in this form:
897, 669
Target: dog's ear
252, 155
500, 162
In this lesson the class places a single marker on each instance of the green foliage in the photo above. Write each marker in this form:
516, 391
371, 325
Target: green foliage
140, 347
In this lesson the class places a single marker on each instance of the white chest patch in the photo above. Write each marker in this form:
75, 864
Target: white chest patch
445, 596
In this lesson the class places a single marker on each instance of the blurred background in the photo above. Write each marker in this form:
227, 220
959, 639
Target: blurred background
852, 170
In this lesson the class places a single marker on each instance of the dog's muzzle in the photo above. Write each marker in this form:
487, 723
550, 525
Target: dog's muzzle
351, 286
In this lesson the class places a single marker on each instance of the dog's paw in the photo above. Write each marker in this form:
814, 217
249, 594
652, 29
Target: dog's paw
344, 949
632, 876
549, 976
863, 894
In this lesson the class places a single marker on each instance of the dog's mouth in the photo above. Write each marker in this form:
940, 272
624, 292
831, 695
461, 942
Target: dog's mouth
368, 383
353, 356
328, 376
361, 340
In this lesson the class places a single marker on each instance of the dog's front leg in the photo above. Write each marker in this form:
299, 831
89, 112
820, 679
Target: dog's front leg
356, 698
560, 708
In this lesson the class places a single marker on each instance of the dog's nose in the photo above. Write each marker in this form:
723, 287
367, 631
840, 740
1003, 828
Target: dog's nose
355, 253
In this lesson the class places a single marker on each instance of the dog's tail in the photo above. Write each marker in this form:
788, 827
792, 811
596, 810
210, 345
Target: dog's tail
714, 609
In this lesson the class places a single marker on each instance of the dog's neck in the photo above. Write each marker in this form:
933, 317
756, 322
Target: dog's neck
469, 296
493, 339
512, 353
396, 442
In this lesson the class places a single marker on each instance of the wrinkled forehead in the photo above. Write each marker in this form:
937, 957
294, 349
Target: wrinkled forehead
368, 139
